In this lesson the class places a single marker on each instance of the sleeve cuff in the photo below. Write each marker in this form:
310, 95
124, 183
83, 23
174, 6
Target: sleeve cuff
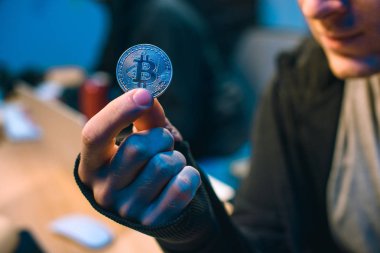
188, 229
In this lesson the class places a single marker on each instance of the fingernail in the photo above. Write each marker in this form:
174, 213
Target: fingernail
143, 98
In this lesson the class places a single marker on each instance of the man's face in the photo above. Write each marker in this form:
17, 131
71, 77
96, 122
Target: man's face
349, 33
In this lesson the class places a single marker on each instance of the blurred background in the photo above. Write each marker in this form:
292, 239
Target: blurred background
57, 65
39, 34
67, 49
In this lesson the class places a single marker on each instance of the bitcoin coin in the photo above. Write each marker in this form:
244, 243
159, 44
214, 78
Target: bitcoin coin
144, 66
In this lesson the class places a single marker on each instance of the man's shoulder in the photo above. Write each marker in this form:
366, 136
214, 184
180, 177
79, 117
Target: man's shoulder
304, 73
303, 64
304, 82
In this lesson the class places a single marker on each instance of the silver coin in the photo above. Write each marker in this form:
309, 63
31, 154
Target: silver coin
144, 66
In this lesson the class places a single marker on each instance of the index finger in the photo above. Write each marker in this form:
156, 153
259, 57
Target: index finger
98, 135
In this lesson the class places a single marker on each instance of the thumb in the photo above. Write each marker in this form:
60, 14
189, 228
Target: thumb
155, 117
151, 118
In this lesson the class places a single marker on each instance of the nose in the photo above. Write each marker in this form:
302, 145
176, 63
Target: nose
319, 9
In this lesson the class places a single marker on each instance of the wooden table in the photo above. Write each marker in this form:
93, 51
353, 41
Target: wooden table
37, 185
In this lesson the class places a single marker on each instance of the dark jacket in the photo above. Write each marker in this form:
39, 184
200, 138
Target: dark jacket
282, 203
281, 206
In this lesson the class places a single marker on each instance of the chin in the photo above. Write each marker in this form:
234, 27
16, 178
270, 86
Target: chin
348, 67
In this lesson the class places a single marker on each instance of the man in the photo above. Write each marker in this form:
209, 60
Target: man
315, 178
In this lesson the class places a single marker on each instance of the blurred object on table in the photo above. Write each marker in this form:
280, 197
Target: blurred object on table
93, 94
17, 125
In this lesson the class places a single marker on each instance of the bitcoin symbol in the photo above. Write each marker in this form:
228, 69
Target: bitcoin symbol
144, 66
144, 71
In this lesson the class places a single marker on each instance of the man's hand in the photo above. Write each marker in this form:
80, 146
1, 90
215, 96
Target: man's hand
144, 179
